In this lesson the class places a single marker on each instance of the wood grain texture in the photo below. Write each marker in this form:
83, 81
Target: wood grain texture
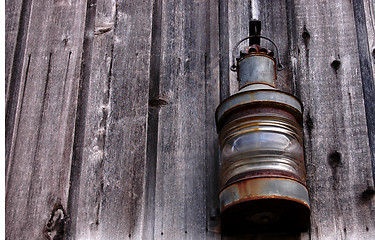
238, 28
16, 27
336, 143
85, 198
186, 147
369, 14
125, 150
39, 158
364, 22
110, 114
12, 29
110, 194
275, 27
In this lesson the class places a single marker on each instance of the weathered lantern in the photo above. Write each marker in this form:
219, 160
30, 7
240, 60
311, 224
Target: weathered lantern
262, 174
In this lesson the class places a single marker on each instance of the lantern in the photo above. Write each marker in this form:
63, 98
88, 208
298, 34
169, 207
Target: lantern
262, 172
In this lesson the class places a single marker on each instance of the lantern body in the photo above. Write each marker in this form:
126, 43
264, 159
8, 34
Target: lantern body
262, 173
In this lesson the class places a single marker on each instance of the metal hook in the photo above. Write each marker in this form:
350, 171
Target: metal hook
234, 66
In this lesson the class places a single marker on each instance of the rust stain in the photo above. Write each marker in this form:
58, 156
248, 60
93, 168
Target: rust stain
255, 191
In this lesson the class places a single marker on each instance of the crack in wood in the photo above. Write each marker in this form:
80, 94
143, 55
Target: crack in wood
157, 103
293, 48
309, 123
14, 138
80, 121
65, 79
35, 163
103, 135
14, 84
306, 37
368, 85
152, 133
224, 87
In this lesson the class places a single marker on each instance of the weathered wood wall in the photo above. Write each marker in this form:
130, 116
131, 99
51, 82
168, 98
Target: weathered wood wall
110, 113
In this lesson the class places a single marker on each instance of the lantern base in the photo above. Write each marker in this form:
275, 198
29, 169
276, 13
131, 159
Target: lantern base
264, 205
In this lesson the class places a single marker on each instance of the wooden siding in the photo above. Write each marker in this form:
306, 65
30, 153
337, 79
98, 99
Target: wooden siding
110, 130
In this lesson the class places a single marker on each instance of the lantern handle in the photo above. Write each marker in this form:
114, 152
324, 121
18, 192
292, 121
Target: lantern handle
234, 66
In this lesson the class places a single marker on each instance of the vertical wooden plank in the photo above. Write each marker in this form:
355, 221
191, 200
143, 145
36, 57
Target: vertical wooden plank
369, 14
113, 159
212, 98
154, 104
238, 28
39, 160
13, 30
336, 142
275, 26
87, 183
17, 24
365, 27
189, 93
12, 12
225, 58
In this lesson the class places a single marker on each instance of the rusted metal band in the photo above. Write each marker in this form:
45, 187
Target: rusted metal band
264, 188
263, 97
264, 173
259, 109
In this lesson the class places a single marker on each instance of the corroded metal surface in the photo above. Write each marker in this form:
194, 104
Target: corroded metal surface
261, 96
262, 173
264, 205
259, 188
262, 163
256, 69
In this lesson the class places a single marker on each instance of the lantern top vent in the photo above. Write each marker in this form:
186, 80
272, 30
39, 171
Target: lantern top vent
255, 49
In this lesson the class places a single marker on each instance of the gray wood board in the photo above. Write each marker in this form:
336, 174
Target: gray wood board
86, 205
189, 89
363, 14
12, 22
16, 26
110, 111
336, 142
37, 177
110, 194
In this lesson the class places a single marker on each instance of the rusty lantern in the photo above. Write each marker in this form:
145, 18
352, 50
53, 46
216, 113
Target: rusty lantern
262, 173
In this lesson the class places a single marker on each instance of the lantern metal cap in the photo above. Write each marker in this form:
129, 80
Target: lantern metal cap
273, 97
